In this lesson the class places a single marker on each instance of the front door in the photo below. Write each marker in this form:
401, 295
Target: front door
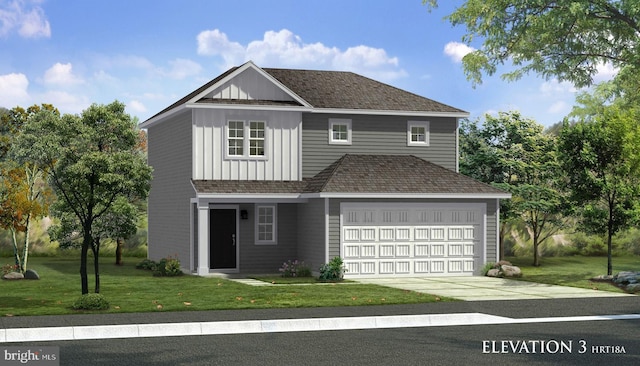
222, 250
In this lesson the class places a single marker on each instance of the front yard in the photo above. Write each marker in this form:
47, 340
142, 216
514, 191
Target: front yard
132, 290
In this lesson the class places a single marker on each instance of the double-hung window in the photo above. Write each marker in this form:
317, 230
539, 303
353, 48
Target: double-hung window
339, 131
266, 224
418, 133
246, 139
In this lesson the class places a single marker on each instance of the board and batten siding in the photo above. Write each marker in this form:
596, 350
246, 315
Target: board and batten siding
374, 134
250, 85
169, 154
311, 233
490, 230
282, 146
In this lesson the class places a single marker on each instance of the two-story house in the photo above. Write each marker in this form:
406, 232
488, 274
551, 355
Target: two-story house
260, 166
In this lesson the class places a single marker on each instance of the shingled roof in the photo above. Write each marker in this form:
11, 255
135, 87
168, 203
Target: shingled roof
365, 174
330, 90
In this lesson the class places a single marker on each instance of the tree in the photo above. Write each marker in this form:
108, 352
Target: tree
514, 154
24, 196
93, 160
602, 159
565, 39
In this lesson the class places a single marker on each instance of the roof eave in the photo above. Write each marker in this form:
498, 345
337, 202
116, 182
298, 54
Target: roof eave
454, 114
380, 195
261, 107
161, 117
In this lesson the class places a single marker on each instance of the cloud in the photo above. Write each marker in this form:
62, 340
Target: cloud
559, 107
13, 90
554, 87
66, 102
28, 20
61, 74
136, 106
182, 68
456, 51
606, 72
285, 49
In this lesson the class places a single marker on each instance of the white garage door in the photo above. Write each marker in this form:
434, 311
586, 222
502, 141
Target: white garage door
384, 240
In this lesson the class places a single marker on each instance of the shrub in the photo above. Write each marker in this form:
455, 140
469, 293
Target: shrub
8, 268
168, 267
487, 267
91, 302
333, 271
147, 264
295, 268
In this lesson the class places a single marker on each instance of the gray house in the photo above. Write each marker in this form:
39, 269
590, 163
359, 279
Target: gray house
260, 166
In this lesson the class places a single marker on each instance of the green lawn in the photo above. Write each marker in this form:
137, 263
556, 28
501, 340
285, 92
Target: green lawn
132, 290
574, 271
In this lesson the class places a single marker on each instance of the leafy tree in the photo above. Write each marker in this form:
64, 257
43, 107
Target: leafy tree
513, 153
23, 194
602, 159
566, 39
93, 159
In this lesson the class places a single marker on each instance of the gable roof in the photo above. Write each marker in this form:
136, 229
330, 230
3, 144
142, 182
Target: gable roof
369, 175
320, 91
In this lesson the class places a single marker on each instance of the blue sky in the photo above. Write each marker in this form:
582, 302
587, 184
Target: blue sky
148, 54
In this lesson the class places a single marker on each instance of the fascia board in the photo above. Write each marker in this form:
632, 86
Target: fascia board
408, 195
157, 119
248, 107
391, 112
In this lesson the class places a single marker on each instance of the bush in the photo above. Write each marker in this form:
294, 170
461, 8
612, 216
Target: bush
8, 268
333, 271
295, 268
168, 267
147, 264
589, 245
91, 302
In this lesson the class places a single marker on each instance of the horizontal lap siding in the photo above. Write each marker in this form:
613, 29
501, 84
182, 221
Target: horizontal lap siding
385, 135
311, 233
169, 153
268, 258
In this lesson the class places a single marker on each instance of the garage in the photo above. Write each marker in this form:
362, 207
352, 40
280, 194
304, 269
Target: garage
412, 239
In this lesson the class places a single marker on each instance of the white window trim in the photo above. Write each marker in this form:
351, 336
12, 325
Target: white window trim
339, 121
273, 241
425, 125
246, 138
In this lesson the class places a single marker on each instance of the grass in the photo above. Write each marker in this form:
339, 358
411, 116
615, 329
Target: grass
132, 290
575, 271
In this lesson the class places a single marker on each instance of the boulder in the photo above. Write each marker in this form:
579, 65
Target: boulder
504, 263
13, 276
635, 287
511, 271
31, 275
493, 272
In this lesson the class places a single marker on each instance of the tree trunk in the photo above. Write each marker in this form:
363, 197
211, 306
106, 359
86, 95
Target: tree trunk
86, 243
536, 256
96, 264
119, 247
25, 252
609, 252
16, 254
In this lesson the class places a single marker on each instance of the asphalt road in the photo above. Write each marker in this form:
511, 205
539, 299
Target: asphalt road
612, 342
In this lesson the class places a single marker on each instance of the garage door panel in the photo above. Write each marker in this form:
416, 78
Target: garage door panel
429, 239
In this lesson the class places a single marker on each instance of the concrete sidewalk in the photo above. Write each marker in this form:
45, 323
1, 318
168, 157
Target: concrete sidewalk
480, 288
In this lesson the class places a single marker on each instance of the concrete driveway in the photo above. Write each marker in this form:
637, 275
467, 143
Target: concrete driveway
480, 288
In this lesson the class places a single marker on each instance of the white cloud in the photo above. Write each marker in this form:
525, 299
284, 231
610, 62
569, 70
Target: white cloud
286, 49
13, 90
61, 74
29, 20
136, 106
66, 102
559, 107
456, 51
606, 72
554, 87
182, 69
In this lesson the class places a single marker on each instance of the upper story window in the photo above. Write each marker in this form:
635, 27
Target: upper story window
418, 133
246, 139
340, 131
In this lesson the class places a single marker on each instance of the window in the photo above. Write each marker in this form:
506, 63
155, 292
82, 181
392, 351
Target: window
256, 138
235, 133
418, 133
339, 131
266, 224
246, 139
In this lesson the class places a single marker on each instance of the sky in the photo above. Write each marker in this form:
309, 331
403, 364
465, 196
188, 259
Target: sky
148, 54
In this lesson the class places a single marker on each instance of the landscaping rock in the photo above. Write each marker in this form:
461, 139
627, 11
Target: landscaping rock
13, 276
626, 277
493, 272
504, 263
511, 271
635, 287
31, 275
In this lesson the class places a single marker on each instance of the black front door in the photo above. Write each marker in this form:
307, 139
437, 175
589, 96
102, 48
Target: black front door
222, 248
